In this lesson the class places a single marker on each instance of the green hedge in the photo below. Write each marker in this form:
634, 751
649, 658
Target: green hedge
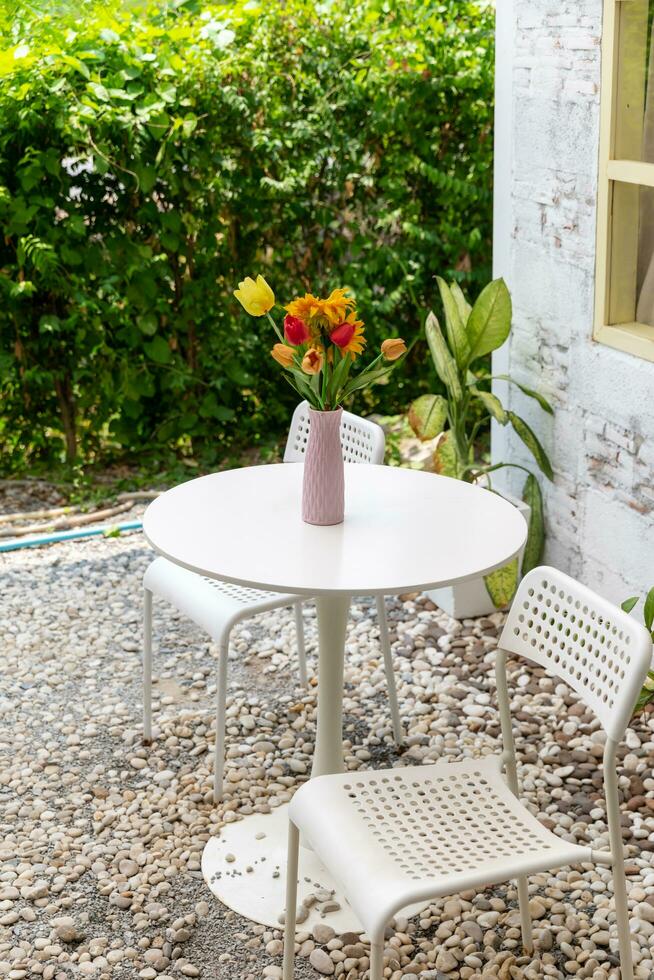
151, 155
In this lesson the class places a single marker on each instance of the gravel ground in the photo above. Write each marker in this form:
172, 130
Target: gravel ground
101, 838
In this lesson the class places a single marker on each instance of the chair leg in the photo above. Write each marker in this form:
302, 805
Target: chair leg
525, 915
376, 958
388, 667
299, 637
221, 699
622, 916
291, 901
147, 666
617, 852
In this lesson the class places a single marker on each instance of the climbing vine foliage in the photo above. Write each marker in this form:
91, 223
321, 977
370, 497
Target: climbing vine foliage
152, 152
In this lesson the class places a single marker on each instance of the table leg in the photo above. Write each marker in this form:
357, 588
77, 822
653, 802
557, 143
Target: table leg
332, 625
245, 866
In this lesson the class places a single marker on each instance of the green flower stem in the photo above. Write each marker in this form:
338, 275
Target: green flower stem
325, 384
275, 328
373, 364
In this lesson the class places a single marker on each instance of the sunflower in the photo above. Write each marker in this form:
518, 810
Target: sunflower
337, 305
357, 341
320, 314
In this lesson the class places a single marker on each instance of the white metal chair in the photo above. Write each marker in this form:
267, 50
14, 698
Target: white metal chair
399, 836
218, 606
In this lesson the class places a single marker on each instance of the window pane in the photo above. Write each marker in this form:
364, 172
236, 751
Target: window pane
623, 252
631, 265
645, 276
634, 109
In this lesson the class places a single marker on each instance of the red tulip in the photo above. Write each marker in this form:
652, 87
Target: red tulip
342, 334
295, 330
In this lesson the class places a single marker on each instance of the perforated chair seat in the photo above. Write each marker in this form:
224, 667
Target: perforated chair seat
399, 836
215, 606
448, 827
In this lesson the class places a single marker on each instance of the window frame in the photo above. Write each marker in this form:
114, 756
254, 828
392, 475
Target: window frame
614, 175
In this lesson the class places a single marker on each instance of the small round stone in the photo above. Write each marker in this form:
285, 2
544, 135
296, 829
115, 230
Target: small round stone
321, 961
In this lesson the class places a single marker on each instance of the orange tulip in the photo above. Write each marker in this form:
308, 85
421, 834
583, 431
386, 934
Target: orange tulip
283, 355
393, 348
312, 361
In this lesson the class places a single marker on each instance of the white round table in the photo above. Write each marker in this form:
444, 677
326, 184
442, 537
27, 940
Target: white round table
404, 531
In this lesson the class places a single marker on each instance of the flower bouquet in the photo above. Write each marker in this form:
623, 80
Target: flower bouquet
317, 348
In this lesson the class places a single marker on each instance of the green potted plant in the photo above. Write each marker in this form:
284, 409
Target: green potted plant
453, 422
647, 694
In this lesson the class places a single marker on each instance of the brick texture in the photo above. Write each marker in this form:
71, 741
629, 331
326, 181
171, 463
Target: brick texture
600, 508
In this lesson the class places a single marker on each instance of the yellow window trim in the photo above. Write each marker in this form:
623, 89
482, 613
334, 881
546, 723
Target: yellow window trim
630, 171
615, 288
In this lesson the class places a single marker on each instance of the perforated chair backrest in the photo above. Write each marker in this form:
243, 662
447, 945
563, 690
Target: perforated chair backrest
595, 647
362, 441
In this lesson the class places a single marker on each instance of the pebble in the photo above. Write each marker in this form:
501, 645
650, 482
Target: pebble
446, 961
66, 929
321, 961
103, 836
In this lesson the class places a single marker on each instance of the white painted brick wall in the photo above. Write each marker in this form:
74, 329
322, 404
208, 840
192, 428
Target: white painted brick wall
600, 508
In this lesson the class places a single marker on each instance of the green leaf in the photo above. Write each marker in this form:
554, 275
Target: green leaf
445, 459
147, 324
188, 125
367, 378
492, 405
210, 408
629, 604
532, 443
647, 692
427, 416
299, 385
462, 303
158, 123
237, 373
22, 290
648, 614
542, 401
443, 361
49, 323
501, 584
489, 323
158, 350
339, 377
113, 532
99, 91
303, 385
147, 177
533, 553
76, 64
454, 325
70, 256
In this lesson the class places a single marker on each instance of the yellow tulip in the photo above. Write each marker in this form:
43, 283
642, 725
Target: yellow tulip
393, 348
256, 298
283, 355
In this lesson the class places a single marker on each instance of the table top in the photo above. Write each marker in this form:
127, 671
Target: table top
404, 530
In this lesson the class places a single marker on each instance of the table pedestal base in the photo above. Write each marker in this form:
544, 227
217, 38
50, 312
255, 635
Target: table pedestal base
254, 883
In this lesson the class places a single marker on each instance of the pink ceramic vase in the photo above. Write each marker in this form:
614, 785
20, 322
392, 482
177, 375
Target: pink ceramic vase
323, 488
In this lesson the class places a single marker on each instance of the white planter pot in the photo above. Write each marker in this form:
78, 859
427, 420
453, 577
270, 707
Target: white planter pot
469, 599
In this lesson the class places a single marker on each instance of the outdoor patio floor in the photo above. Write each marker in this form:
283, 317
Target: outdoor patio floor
101, 837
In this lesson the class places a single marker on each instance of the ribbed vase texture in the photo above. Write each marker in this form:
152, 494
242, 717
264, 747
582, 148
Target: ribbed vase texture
323, 489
